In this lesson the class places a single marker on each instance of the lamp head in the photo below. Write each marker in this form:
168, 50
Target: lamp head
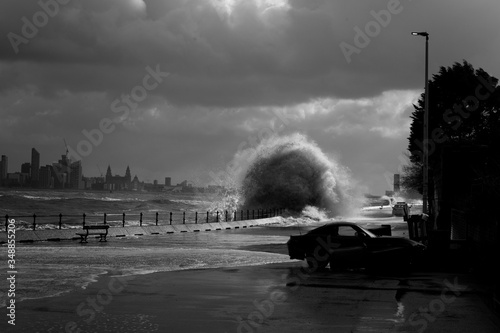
420, 33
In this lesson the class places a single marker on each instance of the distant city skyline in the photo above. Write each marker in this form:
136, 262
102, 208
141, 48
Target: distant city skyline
17, 167
36, 175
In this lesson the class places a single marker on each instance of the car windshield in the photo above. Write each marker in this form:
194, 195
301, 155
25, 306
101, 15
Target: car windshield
369, 233
329, 228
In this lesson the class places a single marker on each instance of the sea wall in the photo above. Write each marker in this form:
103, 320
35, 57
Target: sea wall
70, 234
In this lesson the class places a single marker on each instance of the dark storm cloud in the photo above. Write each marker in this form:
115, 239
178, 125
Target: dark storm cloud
253, 55
231, 64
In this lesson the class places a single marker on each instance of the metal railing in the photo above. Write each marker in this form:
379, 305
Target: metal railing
134, 219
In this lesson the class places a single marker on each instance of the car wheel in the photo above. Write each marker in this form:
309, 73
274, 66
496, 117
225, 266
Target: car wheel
316, 264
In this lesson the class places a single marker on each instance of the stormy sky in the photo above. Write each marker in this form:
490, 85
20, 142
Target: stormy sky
176, 87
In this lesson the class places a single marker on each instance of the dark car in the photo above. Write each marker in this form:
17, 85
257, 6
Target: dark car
345, 244
401, 208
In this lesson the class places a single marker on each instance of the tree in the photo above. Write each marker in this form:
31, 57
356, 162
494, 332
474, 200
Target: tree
464, 109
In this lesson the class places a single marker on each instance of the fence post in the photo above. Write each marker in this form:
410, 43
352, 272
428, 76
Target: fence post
207, 217
248, 214
6, 223
196, 218
123, 220
84, 219
170, 218
60, 220
183, 217
234, 215
226, 215
34, 221
242, 215
217, 218
105, 215
156, 221
140, 219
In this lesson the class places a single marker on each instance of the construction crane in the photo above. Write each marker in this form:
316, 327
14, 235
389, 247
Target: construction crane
66, 145
99, 170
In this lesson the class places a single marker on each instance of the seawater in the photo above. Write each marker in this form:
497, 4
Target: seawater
45, 269
25, 203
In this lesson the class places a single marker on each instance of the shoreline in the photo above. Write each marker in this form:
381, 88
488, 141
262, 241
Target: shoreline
29, 236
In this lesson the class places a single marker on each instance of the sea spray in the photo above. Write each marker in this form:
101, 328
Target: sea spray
291, 172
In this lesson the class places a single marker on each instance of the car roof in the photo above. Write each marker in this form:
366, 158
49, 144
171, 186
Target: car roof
340, 223
333, 223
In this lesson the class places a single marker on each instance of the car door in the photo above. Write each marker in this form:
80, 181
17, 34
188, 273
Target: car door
352, 249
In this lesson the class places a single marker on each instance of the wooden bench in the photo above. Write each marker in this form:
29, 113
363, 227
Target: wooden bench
99, 230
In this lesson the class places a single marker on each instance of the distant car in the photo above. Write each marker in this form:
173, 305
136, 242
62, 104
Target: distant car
345, 244
400, 209
378, 207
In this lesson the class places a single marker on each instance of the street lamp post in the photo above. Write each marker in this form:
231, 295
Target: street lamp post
425, 189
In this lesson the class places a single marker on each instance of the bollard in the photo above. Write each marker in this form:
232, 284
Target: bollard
183, 217
156, 221
34, 221
6, 223
84, 219
207, 217
170, 218
60, 220
196, 218
217, 218
123, 220
140, 219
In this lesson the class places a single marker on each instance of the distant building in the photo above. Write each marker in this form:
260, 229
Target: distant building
45, 177
14, 179
35, 167
26, 167
118, 183
61, 172
26, 174
94, 183
4, 169
136, 184
75, 176
168, 181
